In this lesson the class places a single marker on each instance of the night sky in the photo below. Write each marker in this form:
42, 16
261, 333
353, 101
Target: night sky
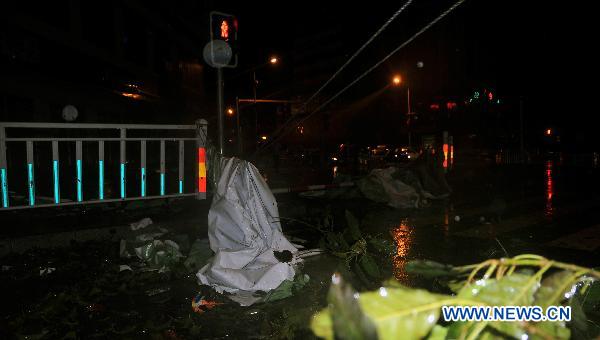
539, 51
526, 49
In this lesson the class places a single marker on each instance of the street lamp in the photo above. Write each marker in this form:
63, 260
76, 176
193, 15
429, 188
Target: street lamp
273, 60
230, 111
397, 80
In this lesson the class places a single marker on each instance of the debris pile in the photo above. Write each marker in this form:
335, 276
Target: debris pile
406, 187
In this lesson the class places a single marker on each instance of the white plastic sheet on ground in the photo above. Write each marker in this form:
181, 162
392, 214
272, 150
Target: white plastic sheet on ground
244, 230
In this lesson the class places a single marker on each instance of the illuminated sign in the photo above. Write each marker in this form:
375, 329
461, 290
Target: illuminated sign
224, 30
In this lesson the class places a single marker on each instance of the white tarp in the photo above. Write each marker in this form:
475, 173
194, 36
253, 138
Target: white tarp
244, 230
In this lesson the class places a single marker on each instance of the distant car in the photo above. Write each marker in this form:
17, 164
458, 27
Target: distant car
374, 156
402, 154
380, 152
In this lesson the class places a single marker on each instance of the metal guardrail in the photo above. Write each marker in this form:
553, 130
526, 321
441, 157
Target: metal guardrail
200, 129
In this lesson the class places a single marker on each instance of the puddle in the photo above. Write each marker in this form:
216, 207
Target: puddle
403, 239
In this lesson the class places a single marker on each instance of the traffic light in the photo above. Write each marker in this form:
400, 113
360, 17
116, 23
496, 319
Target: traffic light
484, 96
224, 27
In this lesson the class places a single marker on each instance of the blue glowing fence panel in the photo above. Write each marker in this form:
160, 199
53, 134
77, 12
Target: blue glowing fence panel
143, 182
100, 170
162, 167
101, 179
4, 184
122, 180
56, 182
123, 156
55, 175
79, 182
143, 167
30, 177
31, 184
181, 165
79, 165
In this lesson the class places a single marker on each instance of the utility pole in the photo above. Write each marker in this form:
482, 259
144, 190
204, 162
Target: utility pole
220, 107
218, 54
254, 85
408, 113
239, 128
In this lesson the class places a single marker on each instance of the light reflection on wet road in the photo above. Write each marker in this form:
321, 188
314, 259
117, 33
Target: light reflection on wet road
403, 238
549, 210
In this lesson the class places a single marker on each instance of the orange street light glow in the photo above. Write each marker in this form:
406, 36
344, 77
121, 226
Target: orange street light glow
397, 80
230, 111
273, 60
548, 132
263, 137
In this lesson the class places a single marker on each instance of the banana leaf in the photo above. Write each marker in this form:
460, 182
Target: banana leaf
430, 269
353, 226
287, 288
322, 325
393, 310
438, 333
553, 289
581, 326
390, 310
381, 245
513, 290
369, 266
591, 298
347, 316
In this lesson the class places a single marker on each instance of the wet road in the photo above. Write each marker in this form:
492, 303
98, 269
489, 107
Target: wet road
509, 210
494, 211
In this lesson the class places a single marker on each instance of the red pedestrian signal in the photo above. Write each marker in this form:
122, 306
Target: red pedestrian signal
224, 30
224, 27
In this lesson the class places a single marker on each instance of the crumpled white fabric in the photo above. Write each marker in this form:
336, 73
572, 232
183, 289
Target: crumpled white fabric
244, 230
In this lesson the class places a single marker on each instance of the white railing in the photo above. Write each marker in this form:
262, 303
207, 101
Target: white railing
197, 134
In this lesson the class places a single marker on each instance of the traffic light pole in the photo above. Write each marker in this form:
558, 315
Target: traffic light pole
220, 109
409, 117
218, 53
239, 128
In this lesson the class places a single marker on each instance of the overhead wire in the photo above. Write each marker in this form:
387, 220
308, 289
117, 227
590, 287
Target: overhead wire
356, 53
367, 43
408, 41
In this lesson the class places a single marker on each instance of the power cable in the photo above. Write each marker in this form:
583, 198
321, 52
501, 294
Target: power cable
409, 40
389, 21
360, 49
